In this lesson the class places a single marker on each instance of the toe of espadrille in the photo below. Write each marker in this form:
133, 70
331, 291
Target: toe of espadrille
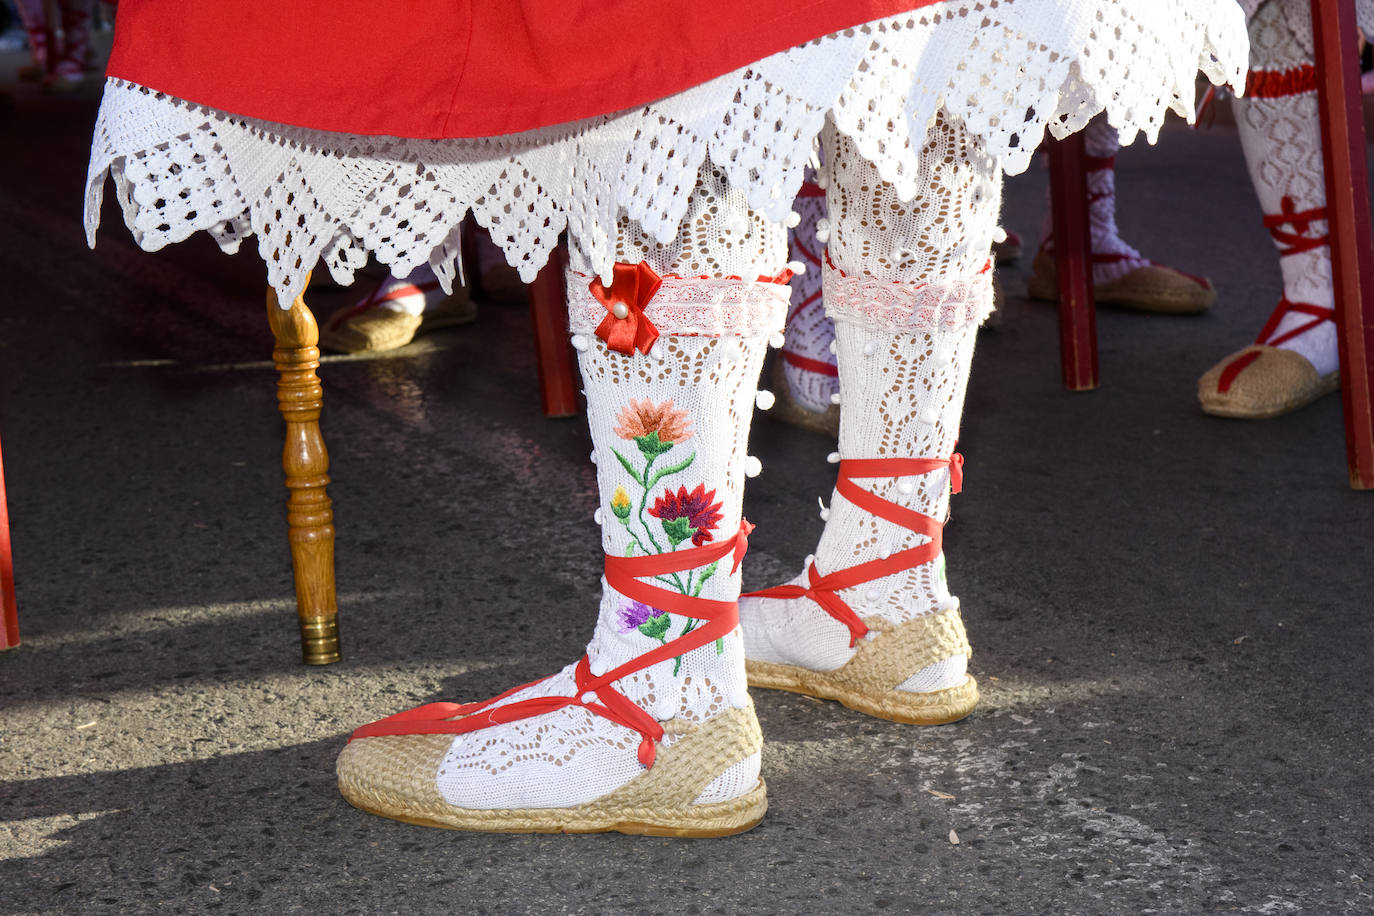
1259, 382
1150, 288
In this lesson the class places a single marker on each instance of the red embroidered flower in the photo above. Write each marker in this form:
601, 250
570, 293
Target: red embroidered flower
687, 515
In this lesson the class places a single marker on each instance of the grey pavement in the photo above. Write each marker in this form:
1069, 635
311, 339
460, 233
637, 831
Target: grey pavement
1171, 613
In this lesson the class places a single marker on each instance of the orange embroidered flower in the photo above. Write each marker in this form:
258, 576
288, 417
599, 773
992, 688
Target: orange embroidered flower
653, 427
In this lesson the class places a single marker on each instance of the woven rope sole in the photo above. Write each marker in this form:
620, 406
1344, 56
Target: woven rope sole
1277, 382
380, 329
1152, 288
868, 681
394, 777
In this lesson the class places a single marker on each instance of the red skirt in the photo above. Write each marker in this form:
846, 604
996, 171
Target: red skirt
455, 68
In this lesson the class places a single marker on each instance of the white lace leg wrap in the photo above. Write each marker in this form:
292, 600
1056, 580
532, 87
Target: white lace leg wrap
1282, 142
907, 293
697, 387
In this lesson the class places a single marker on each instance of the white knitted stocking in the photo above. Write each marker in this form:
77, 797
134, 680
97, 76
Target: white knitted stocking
910, 286
1114, 258
669, 430
808, 359
1281, 136
413, 295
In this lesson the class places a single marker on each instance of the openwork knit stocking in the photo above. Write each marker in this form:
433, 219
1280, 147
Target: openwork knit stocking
654, 725
1112, 257
1281, 136
907, 286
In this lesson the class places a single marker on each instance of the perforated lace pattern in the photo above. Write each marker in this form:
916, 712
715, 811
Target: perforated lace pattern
570, 756
1008, 69
902, 383
1281, 138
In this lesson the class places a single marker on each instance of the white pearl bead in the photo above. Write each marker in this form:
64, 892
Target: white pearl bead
792, 219
596, 516
823, 236
620, 310
588, 697
579, 343
777, 341
835, 398
873, 594
905, 487
765, 399
884, 552
594, 458
870, 347
731, 352
797, 267
833, 458
929, 415
752, 466
999, 235
810, 558
833, 348
825, 515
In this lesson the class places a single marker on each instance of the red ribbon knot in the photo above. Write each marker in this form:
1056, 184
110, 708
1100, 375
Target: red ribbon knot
625, 328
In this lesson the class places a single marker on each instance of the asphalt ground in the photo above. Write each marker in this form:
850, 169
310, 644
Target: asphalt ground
1171, 613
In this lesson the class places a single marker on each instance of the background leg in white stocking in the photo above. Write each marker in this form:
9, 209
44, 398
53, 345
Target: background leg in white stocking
395, 312
1294, 359
870, 620
804, 376
653, 731
1122, 276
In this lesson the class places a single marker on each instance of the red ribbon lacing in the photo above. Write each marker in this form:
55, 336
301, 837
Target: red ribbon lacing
1289, 243
596, 694
1275, 84
822, 588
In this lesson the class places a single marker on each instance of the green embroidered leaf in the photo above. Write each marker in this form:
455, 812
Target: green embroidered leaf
651, 445
655, 627
630, 549
706, 573
634, 472
678, 530
671, 469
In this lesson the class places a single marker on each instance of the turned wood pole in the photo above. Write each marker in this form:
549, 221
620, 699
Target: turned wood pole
309, 516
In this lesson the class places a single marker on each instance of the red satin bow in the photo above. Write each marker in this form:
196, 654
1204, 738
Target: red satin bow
632, 285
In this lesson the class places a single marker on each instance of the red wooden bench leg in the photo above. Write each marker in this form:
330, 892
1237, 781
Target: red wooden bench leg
549, 313
1352, 248
1073, 261
9, 611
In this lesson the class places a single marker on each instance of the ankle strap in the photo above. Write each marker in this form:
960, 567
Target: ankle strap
822, 589
1297, 241
623, 575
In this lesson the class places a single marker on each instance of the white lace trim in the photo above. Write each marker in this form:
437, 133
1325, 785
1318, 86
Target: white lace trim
1010, 69
908, 308
696, 307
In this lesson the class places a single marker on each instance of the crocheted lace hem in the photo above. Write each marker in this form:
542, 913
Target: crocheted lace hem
1009, 69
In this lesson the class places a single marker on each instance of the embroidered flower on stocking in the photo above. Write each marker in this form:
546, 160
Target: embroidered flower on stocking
687, 515
636, 615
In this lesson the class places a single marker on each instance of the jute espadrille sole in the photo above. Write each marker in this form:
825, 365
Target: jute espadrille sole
380, 329
1147, 289
868, 681
394, 777
1276, 382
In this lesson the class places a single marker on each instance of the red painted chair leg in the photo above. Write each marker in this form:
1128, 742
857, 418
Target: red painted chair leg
9, 611
1336, 34
1073, 260
549, 313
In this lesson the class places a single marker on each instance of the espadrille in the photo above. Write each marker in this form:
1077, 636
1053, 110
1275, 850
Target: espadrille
369, 326
1260, 382
885, 658
1151, 288
397, 777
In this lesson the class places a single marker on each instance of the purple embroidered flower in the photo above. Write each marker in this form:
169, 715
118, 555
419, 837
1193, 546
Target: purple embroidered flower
636, 615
